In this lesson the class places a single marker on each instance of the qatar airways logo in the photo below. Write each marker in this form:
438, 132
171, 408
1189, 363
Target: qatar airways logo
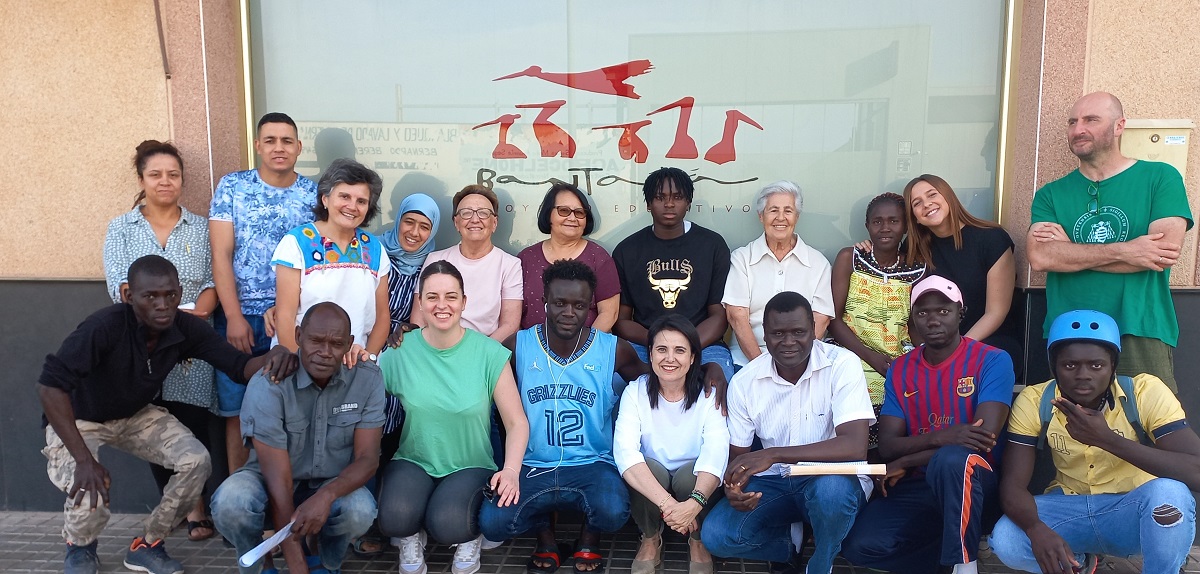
554, 141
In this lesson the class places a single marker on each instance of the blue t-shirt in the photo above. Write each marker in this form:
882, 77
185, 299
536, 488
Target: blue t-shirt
934, 397
568, 401
261, 214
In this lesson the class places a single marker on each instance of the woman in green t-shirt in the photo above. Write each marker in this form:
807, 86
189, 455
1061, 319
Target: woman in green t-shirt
447, 378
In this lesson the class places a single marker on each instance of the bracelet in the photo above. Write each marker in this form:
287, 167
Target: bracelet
663, 503
516, 470
699, 497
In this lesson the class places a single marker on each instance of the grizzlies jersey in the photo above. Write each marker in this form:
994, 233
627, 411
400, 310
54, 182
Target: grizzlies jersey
569, 401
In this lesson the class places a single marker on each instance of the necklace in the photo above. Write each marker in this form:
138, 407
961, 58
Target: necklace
881, 266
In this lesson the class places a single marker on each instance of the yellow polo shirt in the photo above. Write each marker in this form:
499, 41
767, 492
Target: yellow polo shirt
1083, 469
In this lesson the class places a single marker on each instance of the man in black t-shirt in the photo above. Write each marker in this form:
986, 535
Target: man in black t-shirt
673, 266
97, 390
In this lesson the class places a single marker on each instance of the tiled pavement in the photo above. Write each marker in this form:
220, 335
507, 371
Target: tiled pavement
31, 542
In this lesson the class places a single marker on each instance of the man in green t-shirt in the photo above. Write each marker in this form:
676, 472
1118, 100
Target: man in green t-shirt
1108, 234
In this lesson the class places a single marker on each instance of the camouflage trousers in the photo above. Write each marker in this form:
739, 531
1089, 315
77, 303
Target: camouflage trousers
152, 435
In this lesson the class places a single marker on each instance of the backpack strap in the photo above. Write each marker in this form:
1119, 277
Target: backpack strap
1129, 405
1046, 411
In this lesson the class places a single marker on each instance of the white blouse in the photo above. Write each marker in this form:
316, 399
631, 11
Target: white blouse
669, 434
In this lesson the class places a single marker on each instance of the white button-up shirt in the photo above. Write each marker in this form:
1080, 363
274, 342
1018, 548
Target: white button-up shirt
832, 391
755, 276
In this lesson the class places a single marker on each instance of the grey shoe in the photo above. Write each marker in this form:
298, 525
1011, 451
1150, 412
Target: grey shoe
648, 566
152, 558
81, 559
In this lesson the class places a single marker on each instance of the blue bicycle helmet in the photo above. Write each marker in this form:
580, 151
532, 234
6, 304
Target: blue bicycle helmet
1083, 326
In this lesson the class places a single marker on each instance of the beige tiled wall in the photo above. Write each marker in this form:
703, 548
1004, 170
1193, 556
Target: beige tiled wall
83, 83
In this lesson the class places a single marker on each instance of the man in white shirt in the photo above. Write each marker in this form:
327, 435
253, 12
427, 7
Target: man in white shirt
806, 401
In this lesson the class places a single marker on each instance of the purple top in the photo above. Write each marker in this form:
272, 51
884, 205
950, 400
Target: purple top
533, 264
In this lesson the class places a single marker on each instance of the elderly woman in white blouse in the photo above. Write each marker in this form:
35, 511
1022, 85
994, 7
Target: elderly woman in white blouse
158, 225
671, 445
777, 261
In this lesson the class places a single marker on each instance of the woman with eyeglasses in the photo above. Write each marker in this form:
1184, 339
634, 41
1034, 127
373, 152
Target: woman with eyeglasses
493, 277
566, 215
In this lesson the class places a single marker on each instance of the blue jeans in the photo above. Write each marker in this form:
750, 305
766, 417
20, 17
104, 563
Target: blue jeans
239, 510
715, 353
229, 393
828, 504
594, 489
926, 520
1156, 520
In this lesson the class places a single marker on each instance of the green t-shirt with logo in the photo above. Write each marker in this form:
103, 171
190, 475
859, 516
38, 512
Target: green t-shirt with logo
447, 400
1125, 204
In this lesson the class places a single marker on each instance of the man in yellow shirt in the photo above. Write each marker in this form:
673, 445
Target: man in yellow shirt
1115, 490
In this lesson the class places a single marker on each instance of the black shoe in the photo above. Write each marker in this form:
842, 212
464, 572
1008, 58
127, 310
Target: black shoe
788, 567
81, 559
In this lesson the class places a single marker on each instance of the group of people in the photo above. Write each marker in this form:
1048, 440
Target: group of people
466, 395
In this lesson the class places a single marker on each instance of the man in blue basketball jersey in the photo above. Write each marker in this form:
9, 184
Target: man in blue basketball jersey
564, 372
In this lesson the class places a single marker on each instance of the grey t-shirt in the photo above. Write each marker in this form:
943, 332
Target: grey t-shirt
316, 426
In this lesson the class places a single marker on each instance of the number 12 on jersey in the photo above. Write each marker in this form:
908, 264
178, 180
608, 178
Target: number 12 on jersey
563, 427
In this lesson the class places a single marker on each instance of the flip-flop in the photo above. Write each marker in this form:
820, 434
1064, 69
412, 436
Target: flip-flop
588, 556
359, 545
552, 554
192, 525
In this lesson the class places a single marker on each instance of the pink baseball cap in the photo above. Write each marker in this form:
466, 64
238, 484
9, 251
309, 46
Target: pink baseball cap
936, 283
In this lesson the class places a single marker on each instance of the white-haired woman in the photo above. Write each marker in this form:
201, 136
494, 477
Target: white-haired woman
777, 261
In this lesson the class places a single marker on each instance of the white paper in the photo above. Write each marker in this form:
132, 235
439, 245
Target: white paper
248, 559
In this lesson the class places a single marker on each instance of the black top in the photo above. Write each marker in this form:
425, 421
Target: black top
105, 367
982, 247
689, 271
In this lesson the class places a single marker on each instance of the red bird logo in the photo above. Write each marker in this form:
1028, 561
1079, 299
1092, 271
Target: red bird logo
607, 80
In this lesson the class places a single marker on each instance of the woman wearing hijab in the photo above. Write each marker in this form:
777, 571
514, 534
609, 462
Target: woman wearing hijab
407, 244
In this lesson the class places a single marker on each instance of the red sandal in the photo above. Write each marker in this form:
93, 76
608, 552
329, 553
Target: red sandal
552, 554
588, 556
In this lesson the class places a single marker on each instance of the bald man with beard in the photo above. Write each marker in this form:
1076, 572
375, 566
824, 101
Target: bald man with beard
1108, 233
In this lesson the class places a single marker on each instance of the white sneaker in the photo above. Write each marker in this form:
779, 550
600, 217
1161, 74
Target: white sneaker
466, 557
968, 568
491, 544
412, 553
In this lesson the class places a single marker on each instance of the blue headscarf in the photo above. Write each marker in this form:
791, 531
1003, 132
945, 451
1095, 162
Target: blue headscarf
410, 263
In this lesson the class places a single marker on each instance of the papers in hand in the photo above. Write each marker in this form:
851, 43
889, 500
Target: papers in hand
254, 555
815, 468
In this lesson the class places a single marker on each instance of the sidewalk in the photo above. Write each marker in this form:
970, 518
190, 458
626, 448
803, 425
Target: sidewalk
31, 542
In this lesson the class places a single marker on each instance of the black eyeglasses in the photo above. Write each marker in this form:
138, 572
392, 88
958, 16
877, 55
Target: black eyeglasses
1094, 202
564, 211
482, 213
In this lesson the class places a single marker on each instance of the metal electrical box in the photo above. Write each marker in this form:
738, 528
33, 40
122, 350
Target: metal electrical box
1158, 140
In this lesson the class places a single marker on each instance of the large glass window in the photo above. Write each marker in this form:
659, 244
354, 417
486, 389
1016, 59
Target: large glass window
847, 99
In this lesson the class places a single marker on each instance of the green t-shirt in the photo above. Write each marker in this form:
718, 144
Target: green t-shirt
447, 399
1127, 203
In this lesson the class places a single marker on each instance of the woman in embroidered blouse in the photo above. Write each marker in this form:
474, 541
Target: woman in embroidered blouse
333, 259
158, 225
